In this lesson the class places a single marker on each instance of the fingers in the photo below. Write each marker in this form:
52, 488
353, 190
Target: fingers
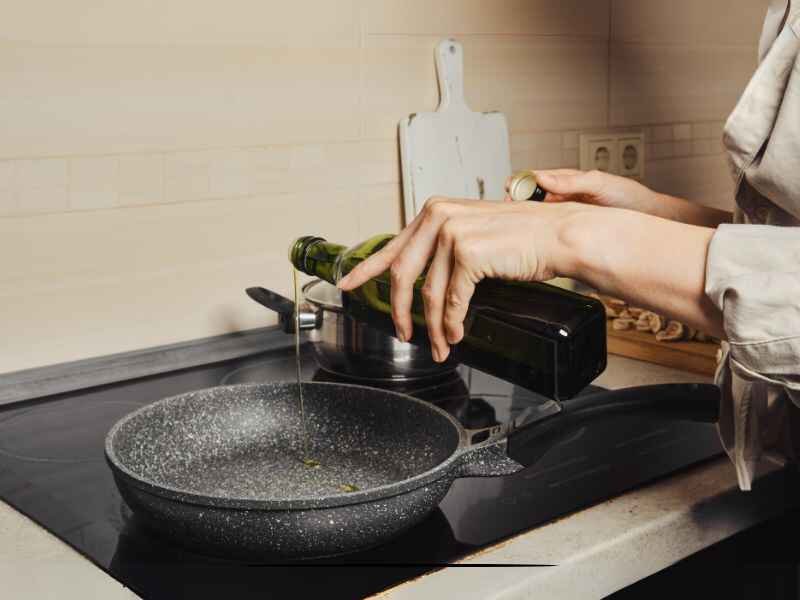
566, 184
407, 256
460, 289
412, 262
380, 261
434, 292
401, 297
560, 184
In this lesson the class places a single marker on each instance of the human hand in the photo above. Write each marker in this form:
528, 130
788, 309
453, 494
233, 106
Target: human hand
594, 187
465, 241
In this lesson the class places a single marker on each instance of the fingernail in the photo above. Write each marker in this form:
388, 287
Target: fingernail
443, 354
435, 353
342, 282
399, 334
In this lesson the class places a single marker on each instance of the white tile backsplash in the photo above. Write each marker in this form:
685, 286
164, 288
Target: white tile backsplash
8, 203
464, 17
93, 182
683, 22
8, 190
373, 215
8, 170
571, 140
42, 173
662, 133
683, 148
570, 158
657, 83
266, 23
230, 173
682, 131
41, 185
140, 179
660, 150
550, 157
703, 147
187, 176
702, 131
42, 200
269, 169
208, 134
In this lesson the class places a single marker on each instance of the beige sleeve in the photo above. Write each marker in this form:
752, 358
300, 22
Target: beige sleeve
753, 276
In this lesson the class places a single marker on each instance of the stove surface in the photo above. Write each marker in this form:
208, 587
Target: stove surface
52, 469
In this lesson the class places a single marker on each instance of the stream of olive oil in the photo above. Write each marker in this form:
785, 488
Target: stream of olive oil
307, 460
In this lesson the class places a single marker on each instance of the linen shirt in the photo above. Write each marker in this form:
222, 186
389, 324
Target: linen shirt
753, 265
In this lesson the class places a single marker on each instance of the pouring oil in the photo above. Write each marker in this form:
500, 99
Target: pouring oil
306, 460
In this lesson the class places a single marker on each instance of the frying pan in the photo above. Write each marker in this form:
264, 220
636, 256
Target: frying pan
221, 470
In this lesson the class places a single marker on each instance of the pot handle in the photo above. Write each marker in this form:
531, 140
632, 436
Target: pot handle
675, 401
308, 318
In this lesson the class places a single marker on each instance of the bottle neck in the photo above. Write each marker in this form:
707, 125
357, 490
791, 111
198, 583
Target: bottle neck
317, 257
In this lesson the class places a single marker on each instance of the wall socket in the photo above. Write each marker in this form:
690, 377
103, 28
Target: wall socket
618, 152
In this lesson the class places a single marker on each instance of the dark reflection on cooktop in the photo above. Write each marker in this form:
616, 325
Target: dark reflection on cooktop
449, 391
140, 557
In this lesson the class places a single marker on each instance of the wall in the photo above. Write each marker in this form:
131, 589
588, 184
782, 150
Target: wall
157, 157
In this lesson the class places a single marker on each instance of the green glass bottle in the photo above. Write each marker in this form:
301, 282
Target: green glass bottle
544, 338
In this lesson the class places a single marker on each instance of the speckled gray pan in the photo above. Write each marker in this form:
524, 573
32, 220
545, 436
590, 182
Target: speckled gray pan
221, 469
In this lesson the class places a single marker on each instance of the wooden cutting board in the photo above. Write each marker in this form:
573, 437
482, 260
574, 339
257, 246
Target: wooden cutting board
697, 357
453, 151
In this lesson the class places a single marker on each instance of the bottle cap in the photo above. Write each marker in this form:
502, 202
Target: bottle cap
523, 186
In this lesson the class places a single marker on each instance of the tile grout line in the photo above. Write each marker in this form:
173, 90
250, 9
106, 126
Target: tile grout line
289, 145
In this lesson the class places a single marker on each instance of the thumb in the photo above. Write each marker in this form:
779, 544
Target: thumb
567, 182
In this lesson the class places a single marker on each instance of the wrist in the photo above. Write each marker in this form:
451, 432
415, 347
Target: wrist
669, 207
576, 241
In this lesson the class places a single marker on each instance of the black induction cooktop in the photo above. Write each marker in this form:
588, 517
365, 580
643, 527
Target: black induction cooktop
52, 469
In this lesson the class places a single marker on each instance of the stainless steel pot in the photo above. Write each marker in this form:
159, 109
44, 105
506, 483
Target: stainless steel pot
347, 347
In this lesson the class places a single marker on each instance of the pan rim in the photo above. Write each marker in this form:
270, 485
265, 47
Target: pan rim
442, 469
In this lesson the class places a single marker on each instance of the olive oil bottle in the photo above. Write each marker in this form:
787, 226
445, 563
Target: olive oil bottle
549, 340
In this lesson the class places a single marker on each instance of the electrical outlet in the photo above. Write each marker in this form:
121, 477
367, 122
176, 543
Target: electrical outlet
618, 152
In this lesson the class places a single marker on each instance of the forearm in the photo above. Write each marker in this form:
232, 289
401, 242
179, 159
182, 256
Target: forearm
649, 261
684, 211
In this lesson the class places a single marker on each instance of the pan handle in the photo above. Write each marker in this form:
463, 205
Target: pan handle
487, 460
673, 401
308, 318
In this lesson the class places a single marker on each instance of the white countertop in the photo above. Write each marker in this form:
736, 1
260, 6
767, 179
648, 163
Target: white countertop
595, 551
36, 564
612, 545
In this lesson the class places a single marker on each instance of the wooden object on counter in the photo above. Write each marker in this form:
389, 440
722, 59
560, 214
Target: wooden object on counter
697, 357
454, 151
